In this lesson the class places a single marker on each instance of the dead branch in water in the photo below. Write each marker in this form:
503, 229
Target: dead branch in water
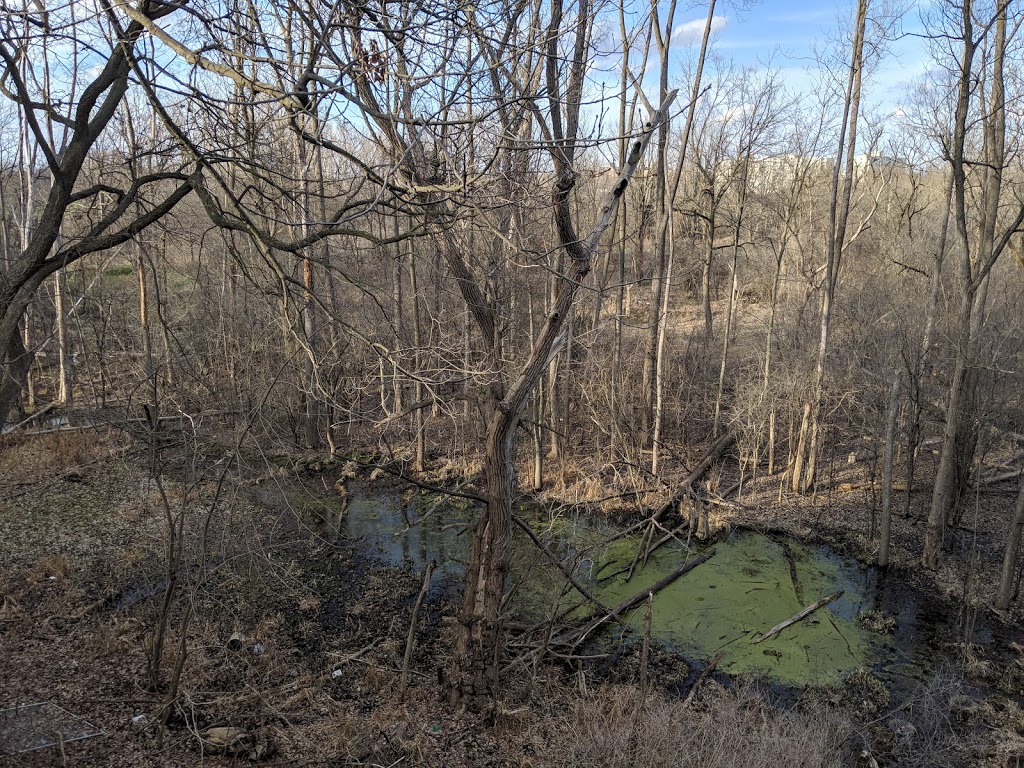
802, 615
577, 636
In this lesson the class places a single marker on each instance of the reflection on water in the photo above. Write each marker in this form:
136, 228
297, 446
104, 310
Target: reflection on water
413, 533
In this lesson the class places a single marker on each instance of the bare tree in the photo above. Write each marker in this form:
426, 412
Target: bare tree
666, 201
977, 167
809, 439
82, 122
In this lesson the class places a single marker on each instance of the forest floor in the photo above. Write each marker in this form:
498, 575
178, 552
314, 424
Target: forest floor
294, 643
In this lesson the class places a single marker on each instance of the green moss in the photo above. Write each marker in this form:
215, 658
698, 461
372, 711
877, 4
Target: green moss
120, 270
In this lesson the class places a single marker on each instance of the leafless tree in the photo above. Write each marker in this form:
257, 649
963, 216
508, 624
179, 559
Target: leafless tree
81, 123
986, 215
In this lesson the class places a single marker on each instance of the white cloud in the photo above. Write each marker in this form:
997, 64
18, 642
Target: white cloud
692, 32
733, 113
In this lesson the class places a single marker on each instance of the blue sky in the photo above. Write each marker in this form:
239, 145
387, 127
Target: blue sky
787, 33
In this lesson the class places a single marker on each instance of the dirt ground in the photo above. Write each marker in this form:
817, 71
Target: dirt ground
290, 645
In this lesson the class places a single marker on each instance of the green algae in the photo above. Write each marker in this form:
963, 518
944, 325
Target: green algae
752, 583
747, 588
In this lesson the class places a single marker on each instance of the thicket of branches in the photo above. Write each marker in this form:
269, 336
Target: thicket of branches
375, 219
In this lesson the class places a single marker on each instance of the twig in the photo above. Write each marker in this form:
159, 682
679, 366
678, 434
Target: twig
117, 701
561, 566
353, 656
802, 615
410, 641
700, 678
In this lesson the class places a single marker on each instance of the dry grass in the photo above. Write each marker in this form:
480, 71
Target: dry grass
51, 567
616, 727
925, 733
25, 459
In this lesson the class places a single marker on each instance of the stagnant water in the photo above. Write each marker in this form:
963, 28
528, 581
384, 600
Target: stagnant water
752, 583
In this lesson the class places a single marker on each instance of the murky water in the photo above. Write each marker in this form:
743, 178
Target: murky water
410, 533
752, 583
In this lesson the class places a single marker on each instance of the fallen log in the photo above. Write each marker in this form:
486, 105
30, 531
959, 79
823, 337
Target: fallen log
578, 636
683, 490
710, 457
865, 486
999, 478
802, 615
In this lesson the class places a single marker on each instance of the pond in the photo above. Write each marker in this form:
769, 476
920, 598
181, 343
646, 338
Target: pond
751, 583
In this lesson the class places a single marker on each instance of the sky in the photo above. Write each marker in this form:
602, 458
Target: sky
787, 33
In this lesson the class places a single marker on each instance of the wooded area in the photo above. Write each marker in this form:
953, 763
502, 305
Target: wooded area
512, 248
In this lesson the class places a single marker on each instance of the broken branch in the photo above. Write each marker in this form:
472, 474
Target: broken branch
802, 615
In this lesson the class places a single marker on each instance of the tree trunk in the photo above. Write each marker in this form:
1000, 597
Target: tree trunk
745, 158
659, 382
147, 339
13, 374
890, 442
663, 38
63, 351
1005, 592
419, 461
707, 262
36, 261
478, 649
811, 429
946, 492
